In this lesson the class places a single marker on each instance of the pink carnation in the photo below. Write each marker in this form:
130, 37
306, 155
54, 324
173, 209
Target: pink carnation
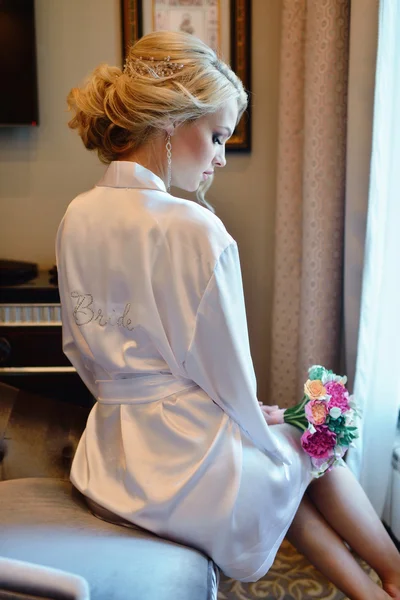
340, 396
316, 411
319, 444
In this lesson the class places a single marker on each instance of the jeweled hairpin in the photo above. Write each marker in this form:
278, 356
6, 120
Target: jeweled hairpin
152, 67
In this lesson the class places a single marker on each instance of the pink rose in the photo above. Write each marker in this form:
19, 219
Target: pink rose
319, 444
316, 411
340, 396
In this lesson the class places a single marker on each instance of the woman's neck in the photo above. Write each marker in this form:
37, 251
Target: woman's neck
151, 156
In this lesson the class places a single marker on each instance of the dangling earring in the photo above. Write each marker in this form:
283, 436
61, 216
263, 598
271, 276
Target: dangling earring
169, 161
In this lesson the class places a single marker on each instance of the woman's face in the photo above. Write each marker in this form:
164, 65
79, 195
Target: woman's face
199, 147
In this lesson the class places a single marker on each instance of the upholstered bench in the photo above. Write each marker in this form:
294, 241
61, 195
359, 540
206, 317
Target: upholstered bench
45, 521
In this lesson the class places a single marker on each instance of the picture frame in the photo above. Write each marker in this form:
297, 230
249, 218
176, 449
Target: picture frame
235, 24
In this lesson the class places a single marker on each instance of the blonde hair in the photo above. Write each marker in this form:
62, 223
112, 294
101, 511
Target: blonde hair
117, 111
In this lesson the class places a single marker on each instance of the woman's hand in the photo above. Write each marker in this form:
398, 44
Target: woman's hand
272, 414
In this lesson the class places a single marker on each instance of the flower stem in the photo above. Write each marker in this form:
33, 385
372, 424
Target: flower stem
295, 415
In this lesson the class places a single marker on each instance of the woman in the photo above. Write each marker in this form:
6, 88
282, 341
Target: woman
154, 322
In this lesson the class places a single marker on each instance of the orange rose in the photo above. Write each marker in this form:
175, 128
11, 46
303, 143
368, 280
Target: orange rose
316, 411
314, 389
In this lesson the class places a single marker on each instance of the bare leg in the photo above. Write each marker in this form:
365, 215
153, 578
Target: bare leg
313, 537
342, 501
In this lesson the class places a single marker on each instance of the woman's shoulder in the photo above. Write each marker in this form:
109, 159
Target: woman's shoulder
190, 219
80, 203
179, 221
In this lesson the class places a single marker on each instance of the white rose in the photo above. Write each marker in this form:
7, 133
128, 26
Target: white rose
335, 412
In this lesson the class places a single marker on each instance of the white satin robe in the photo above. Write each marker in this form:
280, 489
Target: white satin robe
154, 322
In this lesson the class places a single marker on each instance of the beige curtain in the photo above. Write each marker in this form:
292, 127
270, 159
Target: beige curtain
307, 297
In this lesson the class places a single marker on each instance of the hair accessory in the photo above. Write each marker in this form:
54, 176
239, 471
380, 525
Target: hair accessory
152, 67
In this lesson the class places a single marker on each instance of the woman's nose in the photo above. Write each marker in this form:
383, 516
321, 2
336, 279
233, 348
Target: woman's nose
220, 160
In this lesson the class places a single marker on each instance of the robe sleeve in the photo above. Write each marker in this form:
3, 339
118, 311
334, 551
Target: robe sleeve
70, 348
75, 357
219, 358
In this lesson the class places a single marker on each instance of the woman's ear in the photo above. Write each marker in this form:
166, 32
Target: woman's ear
170, 129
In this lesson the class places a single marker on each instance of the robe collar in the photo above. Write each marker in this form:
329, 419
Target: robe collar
126, 174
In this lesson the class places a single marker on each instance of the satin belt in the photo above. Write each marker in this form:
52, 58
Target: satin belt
141, 389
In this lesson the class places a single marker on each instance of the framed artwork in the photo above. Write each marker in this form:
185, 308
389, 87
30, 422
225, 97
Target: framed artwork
222, 24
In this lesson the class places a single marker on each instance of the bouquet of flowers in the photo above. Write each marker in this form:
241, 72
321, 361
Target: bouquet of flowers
326, 415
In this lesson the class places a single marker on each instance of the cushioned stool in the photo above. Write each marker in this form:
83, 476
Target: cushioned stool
45, 521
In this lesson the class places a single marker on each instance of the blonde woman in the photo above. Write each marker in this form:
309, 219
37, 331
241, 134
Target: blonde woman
154, 322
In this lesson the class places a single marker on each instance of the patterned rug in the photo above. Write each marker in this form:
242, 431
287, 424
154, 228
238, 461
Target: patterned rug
291, 577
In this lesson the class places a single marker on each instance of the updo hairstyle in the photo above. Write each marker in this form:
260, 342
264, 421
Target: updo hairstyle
116, 111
